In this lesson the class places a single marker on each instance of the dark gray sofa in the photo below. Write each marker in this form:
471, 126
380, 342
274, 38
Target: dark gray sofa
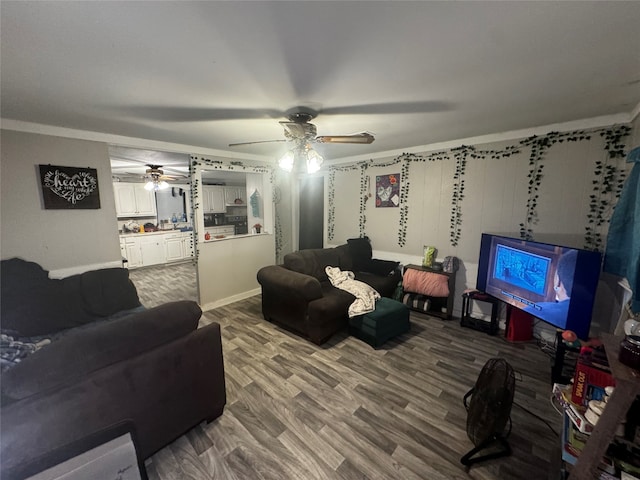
299, 296
112, 361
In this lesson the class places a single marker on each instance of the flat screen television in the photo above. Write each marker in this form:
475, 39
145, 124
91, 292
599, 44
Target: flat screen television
554, 283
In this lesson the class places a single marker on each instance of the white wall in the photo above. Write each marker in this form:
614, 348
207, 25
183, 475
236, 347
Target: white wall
227, 268
495, 200
62, 241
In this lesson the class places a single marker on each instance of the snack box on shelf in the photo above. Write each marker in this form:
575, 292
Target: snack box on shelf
591, 377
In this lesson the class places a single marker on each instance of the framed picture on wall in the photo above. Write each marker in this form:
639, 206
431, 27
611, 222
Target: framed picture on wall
69, 187
388, 190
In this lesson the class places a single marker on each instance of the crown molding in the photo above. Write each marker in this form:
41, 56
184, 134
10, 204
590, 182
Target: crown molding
583, 124
124, 141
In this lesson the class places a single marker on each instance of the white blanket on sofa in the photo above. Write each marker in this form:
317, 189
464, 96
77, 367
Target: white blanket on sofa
366, 296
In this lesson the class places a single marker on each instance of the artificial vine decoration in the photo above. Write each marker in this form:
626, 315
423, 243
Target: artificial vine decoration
195, 186
405, 160
404, 207
460, 155
608, 180
332, 207
364, 191
219, 165
277, 197
331, 197
533, 183
607, 174
539, 147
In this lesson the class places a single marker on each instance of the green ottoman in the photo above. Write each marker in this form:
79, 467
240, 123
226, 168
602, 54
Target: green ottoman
388, 320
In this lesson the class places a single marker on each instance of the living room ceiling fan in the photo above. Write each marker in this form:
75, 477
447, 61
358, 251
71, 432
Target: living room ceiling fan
156, 178
301, 134
298, 129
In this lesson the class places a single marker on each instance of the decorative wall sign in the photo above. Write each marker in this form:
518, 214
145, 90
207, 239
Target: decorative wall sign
388, 190
69, 187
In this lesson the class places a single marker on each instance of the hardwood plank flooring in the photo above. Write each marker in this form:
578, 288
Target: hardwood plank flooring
160, 284
344, 410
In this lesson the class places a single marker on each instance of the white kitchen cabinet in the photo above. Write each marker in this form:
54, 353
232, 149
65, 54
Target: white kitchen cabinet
123, 250
174, 246
132, 200
233, 193
153, 250
187, 242
133, 253
213, 198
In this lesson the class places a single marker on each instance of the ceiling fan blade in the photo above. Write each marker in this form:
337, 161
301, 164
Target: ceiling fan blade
427, 106
362, 138
198, 114
253, 143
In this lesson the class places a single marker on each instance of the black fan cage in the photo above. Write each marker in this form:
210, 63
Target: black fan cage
491, 400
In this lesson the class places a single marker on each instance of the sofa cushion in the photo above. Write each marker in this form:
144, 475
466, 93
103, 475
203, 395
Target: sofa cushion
86, 350
314, 260
384, 285
425, 283
33, 304
361, 252
108, 291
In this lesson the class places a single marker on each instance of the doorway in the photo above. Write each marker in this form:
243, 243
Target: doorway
311, 213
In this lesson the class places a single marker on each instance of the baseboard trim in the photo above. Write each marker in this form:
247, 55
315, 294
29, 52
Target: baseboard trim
234, 298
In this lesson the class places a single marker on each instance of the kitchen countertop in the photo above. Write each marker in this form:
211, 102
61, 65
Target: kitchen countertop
159, 232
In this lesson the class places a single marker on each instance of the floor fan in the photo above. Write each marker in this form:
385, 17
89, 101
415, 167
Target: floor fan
488, 412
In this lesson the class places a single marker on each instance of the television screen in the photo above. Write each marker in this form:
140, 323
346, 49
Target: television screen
554, 283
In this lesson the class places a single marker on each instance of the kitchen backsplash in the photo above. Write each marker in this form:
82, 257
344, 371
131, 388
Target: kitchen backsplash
143, 220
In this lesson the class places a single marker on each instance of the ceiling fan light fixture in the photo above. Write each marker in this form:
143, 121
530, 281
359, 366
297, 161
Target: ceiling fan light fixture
287, 161
156, 185
314, 161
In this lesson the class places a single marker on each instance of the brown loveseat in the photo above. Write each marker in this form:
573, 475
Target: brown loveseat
109, 360
299, 296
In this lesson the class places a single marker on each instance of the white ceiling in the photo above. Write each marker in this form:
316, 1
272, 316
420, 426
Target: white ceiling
206, 74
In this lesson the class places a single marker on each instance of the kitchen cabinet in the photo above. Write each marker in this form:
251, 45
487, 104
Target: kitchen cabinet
132, 200
153, 250
174, 246
213, 199
133, 253
123, 249
233, 193
187, 242
178, 246
156, 248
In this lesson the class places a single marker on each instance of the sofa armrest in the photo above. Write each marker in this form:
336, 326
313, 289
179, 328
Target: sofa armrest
289, 283
86, 350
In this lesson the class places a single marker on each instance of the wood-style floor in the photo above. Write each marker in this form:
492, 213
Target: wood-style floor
346, 411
